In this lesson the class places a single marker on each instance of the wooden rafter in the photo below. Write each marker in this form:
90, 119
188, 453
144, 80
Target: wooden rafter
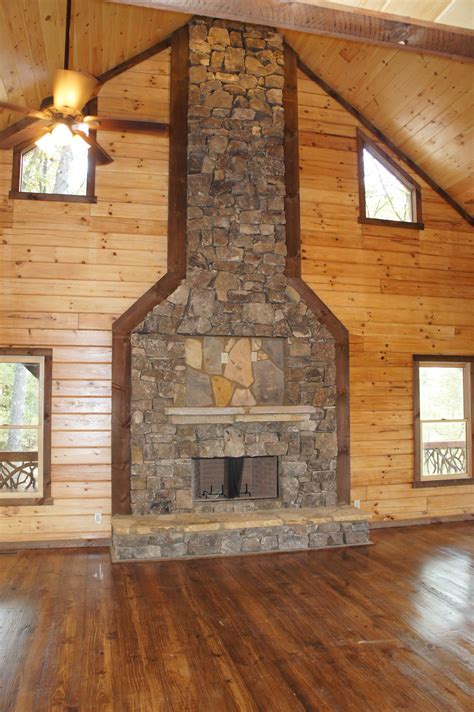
442, 40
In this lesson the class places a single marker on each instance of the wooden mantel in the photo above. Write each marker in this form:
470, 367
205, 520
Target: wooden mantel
347, 23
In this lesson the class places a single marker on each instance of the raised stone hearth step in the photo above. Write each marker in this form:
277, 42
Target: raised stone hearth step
191, 534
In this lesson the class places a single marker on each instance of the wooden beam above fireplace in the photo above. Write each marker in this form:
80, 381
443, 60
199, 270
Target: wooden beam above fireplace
349, 23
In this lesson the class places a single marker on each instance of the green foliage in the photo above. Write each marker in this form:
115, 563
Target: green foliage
64, 172
21, 406
386, 198
442, 399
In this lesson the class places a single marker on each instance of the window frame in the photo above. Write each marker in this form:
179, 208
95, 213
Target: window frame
43, 496
365, 143
17, 194
467, 362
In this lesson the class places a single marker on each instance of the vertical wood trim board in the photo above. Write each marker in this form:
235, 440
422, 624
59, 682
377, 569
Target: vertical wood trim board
123, 327
293, 271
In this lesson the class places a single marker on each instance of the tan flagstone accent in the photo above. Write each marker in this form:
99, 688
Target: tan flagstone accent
239, 367
223, 390
243, 396
193, 350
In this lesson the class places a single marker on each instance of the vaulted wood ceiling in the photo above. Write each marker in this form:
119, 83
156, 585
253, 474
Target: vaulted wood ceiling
457, 13
422, 102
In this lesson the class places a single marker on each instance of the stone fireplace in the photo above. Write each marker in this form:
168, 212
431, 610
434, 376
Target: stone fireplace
233, 365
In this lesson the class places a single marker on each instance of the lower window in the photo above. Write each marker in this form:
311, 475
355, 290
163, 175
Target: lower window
443, 419
25, 394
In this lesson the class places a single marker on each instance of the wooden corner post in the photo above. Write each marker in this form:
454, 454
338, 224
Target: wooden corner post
122, 328
293, 271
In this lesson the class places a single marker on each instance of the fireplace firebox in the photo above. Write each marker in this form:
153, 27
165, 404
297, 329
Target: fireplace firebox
235, 478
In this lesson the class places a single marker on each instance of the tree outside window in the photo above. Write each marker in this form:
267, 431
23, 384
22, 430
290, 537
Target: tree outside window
62, 172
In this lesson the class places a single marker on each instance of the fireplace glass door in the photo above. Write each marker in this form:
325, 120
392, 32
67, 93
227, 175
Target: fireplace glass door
220, 478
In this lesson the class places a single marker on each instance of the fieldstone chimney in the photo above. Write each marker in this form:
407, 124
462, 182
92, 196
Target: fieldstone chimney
233, 363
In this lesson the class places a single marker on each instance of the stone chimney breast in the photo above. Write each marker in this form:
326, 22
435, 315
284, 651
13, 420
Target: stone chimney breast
233, 361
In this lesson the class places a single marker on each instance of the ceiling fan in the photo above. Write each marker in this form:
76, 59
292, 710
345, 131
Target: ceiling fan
60, 121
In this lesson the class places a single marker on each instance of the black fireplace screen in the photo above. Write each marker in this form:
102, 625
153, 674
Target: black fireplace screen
236, 478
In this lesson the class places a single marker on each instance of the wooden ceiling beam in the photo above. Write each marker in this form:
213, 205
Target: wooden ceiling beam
456, 43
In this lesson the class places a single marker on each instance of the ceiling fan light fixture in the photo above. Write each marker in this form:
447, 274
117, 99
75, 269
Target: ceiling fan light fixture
72, 90
61, 135
46, 144
78, 144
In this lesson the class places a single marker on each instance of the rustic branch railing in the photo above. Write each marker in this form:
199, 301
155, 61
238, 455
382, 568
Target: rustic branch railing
18, 471
444, 458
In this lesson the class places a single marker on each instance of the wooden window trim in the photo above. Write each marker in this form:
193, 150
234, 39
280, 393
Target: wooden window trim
364, 142
47, 404
453, 481
17, 194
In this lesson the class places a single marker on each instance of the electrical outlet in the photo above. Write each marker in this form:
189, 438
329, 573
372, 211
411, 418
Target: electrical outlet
254, 356
357, 503
98, 517
224, 357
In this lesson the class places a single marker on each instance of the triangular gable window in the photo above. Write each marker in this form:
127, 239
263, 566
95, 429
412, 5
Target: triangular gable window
387, 194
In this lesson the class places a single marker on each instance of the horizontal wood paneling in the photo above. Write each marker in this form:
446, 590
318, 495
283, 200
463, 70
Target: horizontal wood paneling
398, 291
424, 104
66, 272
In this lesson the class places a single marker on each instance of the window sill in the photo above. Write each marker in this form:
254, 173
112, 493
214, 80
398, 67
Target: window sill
52, 197
25, 501
392, 223
444, 483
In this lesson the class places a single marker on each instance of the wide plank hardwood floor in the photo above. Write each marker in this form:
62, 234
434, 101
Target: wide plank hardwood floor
371, 628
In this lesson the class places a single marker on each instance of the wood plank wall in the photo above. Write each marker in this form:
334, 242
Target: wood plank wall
398, 291
66, 272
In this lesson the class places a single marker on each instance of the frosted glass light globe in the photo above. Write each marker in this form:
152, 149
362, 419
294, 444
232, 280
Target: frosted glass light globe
61, 135
46, 144
78, 145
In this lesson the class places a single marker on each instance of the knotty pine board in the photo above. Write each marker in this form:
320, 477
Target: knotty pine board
66, 272
398, 291
423, 103
87, 264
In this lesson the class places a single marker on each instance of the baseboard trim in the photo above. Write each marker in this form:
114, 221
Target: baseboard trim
421, 521
55, 544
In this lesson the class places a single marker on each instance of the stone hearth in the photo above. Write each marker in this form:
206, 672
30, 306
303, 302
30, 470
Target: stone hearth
177, 535
233, 363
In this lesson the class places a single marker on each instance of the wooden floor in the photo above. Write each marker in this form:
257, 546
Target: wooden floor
371, 628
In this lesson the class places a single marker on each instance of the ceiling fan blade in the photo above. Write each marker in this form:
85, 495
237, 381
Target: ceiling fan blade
93, 122
101, 155
24, 131
21, 109
72, 90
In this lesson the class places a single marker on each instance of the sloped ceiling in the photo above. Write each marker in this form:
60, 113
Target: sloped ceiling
32, 36
423, 103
